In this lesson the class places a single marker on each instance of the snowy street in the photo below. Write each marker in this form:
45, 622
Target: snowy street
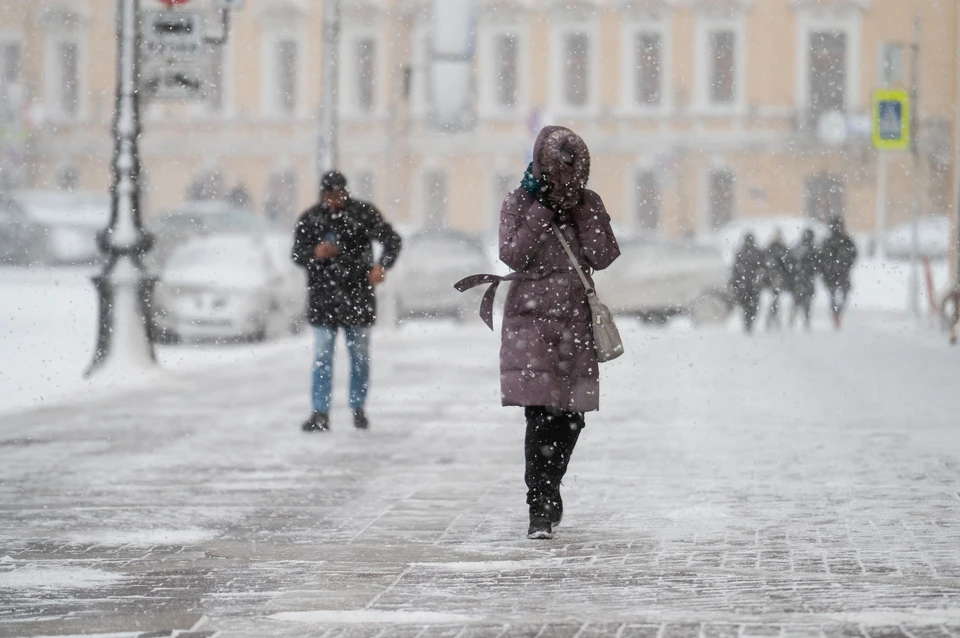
785, 485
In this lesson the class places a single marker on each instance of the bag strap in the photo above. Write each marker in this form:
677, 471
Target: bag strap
573, 259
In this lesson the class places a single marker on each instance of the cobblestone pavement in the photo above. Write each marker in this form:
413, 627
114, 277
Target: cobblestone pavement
788, 486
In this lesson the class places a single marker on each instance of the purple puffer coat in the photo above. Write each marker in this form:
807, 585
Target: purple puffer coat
547, 356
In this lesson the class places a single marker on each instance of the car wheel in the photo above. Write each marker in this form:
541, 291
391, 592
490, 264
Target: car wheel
709, 308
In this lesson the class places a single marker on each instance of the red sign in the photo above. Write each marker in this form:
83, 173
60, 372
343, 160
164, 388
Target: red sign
173, 3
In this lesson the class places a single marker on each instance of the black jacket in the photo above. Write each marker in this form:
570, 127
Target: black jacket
746, 280
805, 260
776, 264
340, 293
837, 256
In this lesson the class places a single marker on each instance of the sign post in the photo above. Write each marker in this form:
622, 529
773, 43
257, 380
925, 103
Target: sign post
891, 132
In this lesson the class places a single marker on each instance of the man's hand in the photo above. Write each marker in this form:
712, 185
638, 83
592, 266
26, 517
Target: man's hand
325, 250
377, 275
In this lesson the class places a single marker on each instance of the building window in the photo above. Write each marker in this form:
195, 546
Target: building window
507, 64
64, 78
576, 69
213, 86
287, 74
366, 186
722, 50
648, 202
10, 69
721, 198
281, 197
648, 90
68, 179
891, 65
827, 86
366, 73
825, 196
434, 199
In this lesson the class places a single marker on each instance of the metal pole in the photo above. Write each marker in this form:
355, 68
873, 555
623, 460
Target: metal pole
956, 160
881, 222
915, 171
328, 156
124, 288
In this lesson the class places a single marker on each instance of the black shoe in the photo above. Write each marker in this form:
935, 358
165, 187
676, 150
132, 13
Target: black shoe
318, 422
539, 528
360, 420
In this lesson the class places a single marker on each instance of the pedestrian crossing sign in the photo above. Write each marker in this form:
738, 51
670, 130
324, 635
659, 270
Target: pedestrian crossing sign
891, 120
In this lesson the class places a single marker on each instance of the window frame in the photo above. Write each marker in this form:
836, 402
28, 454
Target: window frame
53, 87
634, 199
270, 104
423, 217
628, 65
489, 86
13, 38
349, 98
848, 22
558, 102
706, 25
706, 211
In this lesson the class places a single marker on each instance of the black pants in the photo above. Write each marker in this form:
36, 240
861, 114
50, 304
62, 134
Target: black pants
551, 436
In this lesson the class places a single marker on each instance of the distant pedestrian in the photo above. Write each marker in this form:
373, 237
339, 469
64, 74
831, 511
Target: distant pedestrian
746, 280
951, 311
777, 267
333, 242
837, 256
548, 364
803, 264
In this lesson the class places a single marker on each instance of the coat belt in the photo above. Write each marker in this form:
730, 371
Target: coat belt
493, 281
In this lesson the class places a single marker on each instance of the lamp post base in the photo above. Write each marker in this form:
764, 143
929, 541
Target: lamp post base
124, 341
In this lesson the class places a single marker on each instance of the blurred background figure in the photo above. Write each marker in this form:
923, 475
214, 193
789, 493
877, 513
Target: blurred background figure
746, 281
837, 256
776, 265
803, 271
950, 308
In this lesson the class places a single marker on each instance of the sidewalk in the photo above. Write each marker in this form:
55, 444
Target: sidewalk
795, 485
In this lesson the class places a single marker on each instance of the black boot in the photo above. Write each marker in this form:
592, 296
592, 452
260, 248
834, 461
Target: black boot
318, 422
360, 420
550, 438
539, 528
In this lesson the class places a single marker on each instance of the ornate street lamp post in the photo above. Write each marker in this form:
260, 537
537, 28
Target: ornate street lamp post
124, 287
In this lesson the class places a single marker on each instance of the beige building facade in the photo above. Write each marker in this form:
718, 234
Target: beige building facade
698, 112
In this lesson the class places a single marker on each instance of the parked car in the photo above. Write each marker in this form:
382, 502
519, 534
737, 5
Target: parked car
230, 287
933, 234
20, 236
60, 228
657, 279
421, 284
200, 219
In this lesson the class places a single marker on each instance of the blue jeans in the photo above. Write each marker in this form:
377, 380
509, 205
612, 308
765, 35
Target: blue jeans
358, 345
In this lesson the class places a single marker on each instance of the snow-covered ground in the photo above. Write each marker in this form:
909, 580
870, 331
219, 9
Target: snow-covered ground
789, 484
48, 327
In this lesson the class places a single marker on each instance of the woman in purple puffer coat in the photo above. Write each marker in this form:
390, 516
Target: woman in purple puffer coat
548, 364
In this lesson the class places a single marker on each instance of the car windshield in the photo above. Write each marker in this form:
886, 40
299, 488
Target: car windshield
209, 222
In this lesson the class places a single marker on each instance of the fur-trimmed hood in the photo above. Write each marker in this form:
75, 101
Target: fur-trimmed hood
561, 163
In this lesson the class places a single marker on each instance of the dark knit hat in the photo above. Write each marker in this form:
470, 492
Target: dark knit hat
333, 181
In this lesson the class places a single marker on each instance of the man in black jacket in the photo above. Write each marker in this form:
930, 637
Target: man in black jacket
837, 256
333, 241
